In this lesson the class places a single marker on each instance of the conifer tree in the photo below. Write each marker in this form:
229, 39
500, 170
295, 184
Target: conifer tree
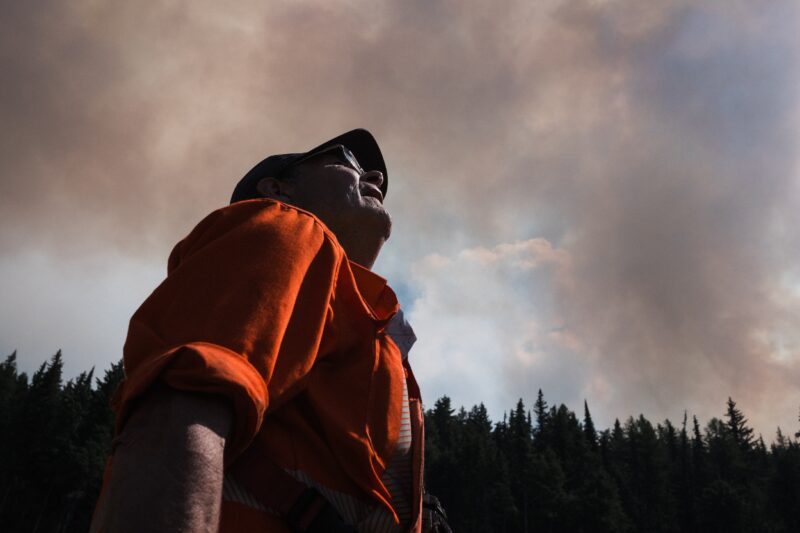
8, 379
780, 439
540, 438
440, 451
698, 454
588, 427
741, 434
684, 482
783, 491
13, 388
521, 451
442, 416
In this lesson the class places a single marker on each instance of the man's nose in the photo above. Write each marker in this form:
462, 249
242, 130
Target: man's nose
375, 177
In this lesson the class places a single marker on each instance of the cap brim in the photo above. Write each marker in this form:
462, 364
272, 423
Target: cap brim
359, 141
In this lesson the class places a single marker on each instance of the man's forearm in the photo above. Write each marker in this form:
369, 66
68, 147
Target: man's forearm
167, 468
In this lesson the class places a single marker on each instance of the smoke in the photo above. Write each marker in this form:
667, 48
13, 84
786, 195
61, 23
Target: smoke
596, 198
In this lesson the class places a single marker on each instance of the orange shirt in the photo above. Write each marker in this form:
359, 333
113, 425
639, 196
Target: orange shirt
262, 306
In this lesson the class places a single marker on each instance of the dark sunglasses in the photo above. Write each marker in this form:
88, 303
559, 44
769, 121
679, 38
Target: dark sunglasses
340, 151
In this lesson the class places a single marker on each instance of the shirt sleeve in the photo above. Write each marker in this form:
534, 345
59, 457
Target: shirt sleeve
243, 313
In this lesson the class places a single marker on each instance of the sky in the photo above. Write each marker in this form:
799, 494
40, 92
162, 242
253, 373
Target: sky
598, 198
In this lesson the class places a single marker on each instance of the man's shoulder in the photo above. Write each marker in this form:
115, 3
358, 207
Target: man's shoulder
266, 212
258, 224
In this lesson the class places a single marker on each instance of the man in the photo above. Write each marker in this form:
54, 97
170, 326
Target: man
267, 384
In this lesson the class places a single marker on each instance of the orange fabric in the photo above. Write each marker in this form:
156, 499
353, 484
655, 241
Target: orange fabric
261, 305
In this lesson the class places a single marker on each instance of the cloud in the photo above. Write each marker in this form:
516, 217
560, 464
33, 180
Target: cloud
496, 324
650, 146
490, 316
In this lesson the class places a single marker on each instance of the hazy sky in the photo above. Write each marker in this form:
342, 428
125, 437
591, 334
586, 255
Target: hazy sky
596, 198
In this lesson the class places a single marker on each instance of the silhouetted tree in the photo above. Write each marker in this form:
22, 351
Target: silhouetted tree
740, 433
588, 427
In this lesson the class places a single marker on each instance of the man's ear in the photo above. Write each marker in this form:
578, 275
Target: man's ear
270, 187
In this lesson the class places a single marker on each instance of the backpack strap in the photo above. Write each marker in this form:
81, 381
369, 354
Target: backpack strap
303, 507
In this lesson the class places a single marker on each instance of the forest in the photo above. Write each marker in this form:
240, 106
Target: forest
540, 469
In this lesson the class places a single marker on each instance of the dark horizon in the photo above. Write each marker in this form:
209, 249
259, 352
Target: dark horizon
540, 468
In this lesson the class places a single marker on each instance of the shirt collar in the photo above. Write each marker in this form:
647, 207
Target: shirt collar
375, 292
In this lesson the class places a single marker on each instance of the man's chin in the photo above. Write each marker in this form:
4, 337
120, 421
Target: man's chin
378, 218
387, 222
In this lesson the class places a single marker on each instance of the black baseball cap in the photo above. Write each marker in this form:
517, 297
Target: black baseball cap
359, 141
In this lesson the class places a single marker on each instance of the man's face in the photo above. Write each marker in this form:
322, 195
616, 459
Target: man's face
347, 199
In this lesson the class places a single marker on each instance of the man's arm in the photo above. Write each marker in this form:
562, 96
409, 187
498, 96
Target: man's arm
167, 466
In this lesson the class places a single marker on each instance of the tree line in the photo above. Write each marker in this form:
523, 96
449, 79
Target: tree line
546, 471
55, 438
540, 470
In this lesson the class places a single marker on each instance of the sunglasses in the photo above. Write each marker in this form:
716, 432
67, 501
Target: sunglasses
340, 151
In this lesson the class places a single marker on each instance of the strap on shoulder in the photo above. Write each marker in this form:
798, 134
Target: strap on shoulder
304, 508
